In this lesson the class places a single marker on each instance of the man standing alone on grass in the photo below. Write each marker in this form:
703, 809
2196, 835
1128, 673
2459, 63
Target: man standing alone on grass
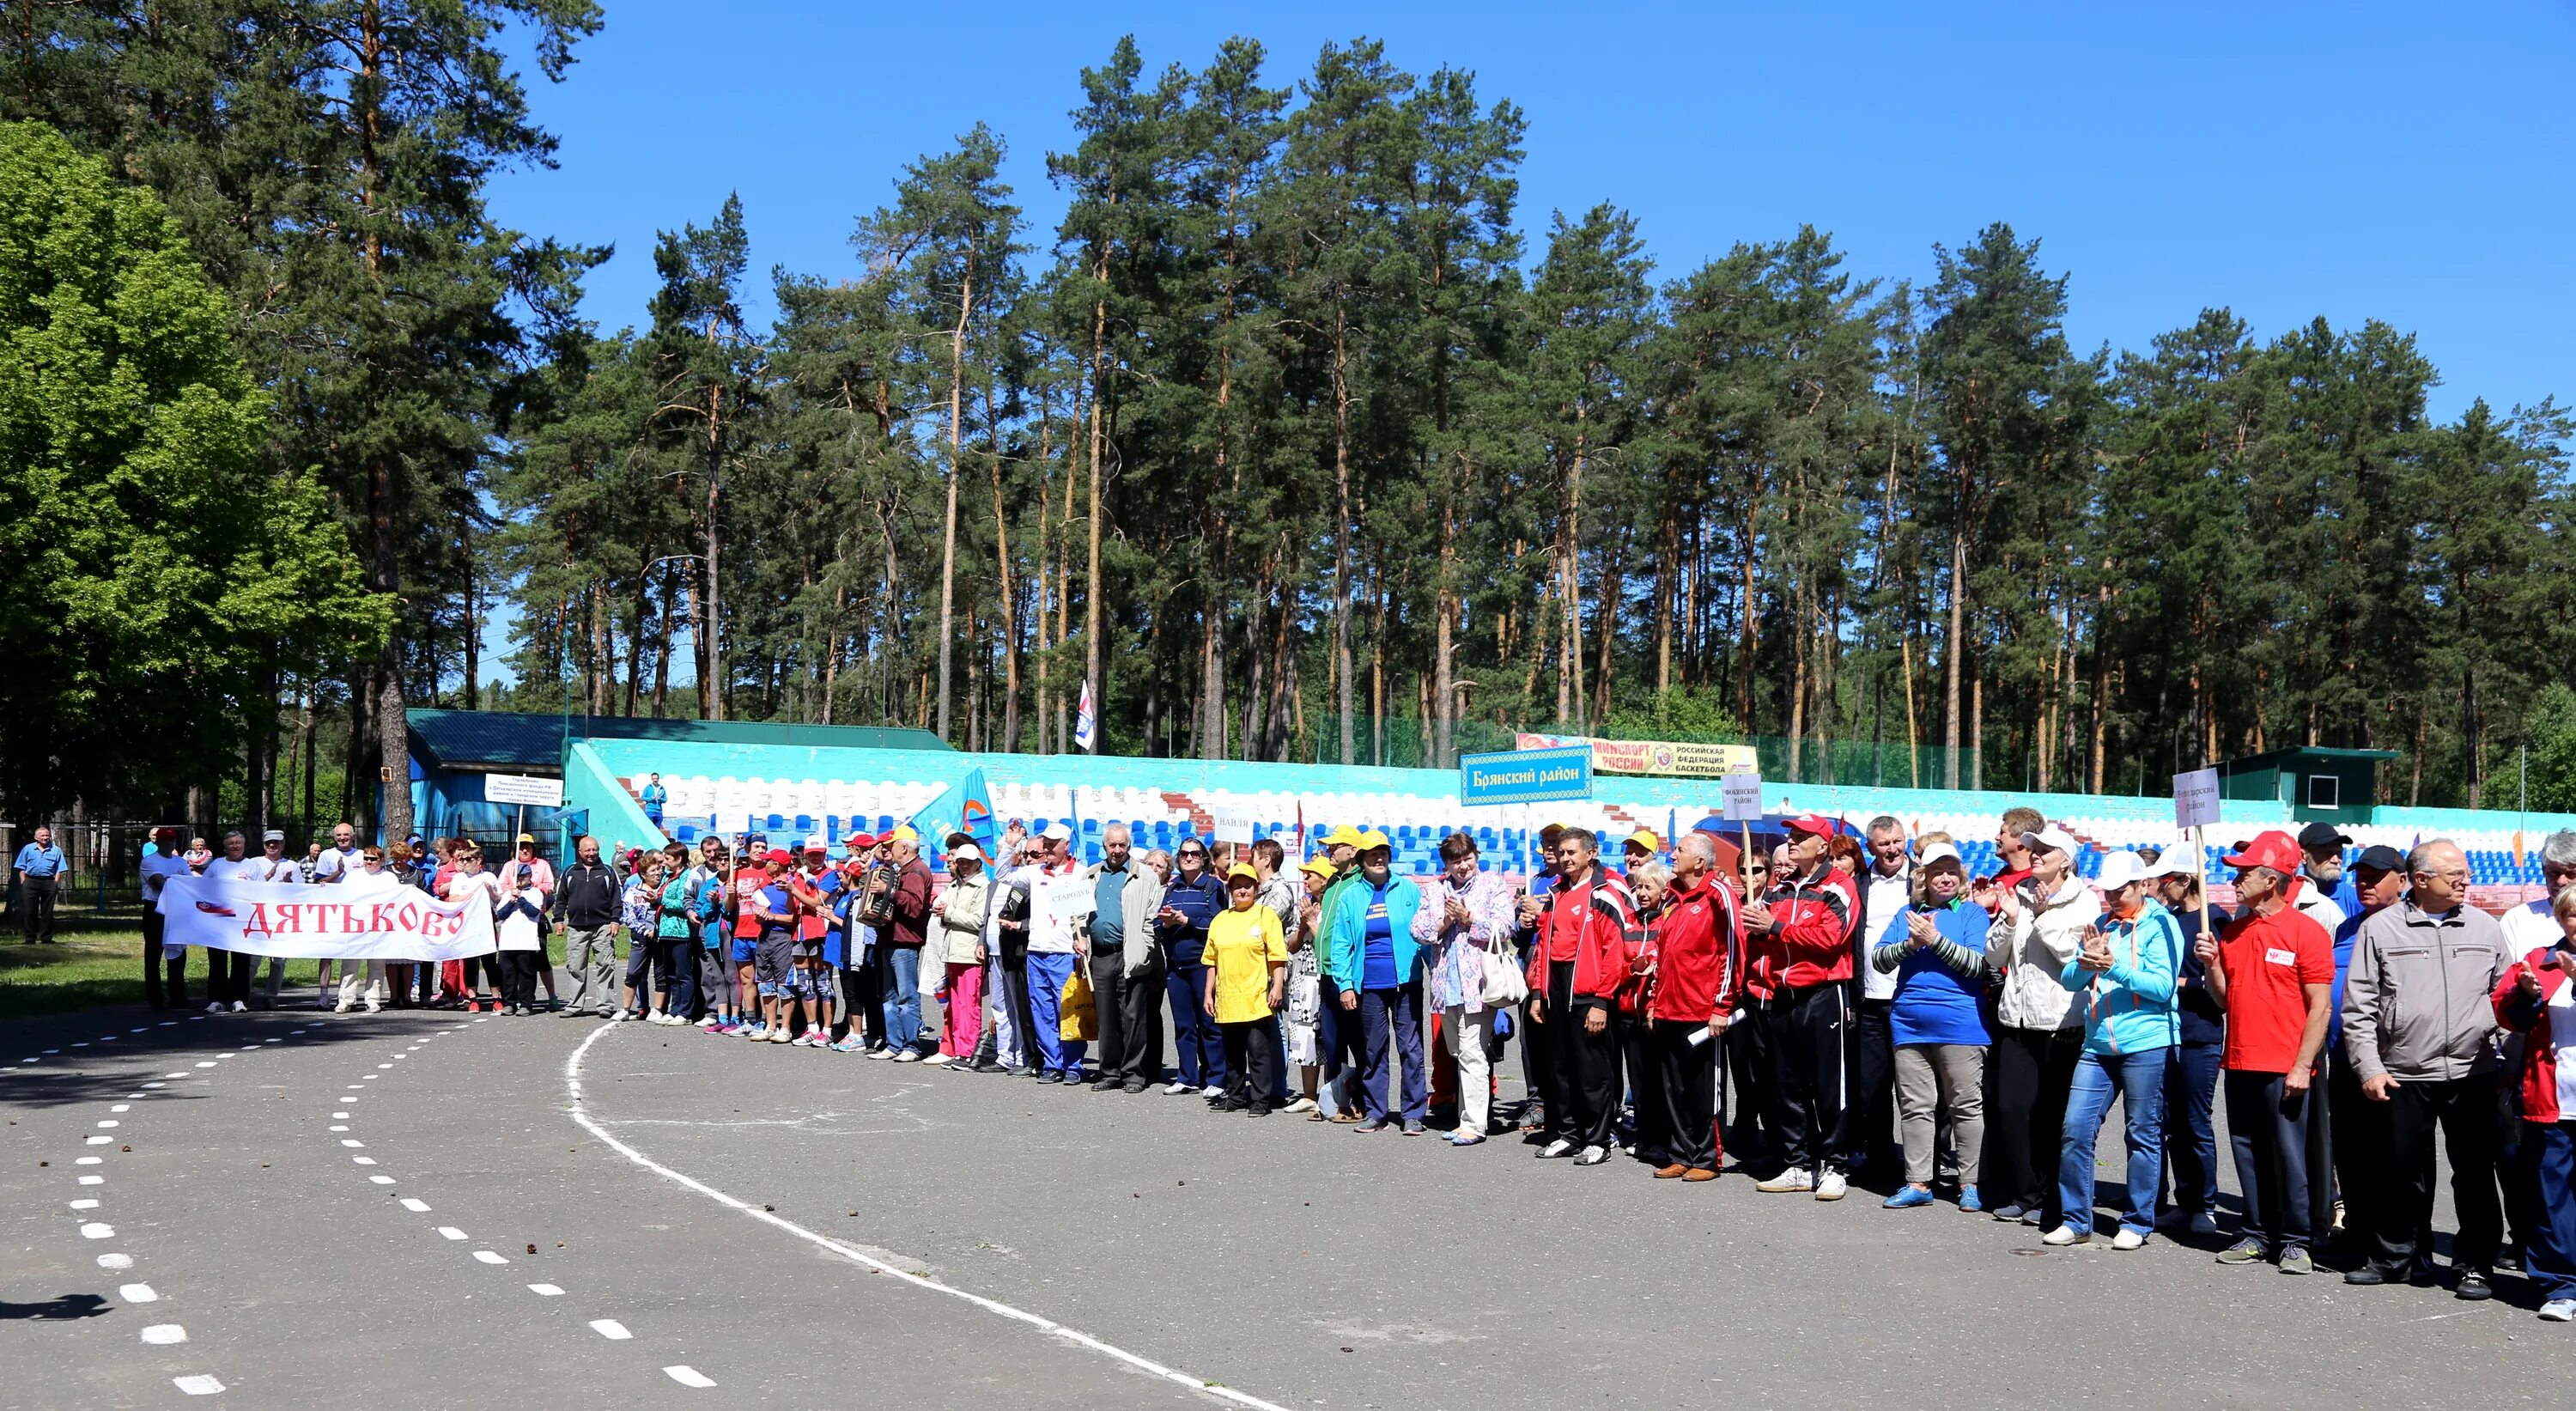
41, 870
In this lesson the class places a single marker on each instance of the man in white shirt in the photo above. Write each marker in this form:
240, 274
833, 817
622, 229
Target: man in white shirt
2530, 926
333, 865
228, 972
1056, 944
164, 862
275, 866
1886, 890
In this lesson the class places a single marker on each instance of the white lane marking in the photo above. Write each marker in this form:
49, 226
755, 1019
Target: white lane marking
369, 1078
363, 1160
96, 1230
199, 1385
489, 1257
275, 1041
138, 1031
116, 1261
181, 1074
689, 1376
207, 1064
580, 1116
97, 1141
382, 1180
384, 1065
351, 1141
82, 1044
137, 1293
164, 1085
53, 1050
610, 1329
353, 1087
415, 1205
545, 1290
122, 1107
109, 1122
88, 1160
164, 1334
450, 1231
340, 1126
84, 1205
340, 1116
93, 1180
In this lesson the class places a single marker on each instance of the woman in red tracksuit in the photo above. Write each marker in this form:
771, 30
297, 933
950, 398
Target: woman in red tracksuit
1587, 950
1696, 950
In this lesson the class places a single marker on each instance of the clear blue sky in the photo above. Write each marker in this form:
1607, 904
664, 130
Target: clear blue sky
2410, 163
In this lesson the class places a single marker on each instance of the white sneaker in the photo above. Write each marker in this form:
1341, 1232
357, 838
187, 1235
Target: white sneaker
1830, 1186
910, 1055
1592, 1156
711, 1021
2559, 1310
240, 1008
1559, 1147
1213, 1090
1176, 1089
2066, 1234
937, 1060
617, 1015
215, 1007
1303, 1104
1796, 1178
375, 1009
655, 1017
2127, 1239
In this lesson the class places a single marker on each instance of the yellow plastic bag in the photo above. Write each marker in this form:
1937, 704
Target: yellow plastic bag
1076, 1020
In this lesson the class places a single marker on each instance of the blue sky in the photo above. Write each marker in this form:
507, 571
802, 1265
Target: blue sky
2403, 162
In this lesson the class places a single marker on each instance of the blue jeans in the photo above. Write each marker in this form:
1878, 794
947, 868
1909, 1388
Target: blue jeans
2138, 1079
2191, 1138
1197, 1049
902, 1005
1049, 973
1392, 1019
2552, 1254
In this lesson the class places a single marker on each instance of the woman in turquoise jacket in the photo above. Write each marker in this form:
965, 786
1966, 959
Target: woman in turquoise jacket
1370, 956
2124, 979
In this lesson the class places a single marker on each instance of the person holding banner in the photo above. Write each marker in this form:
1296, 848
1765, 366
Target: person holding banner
275, 866
363, 981
228, 971
163, 863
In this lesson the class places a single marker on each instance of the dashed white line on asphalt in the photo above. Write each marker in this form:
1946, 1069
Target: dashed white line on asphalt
489, 1257
610, 1329
137, 1293
572, 1084
88, 1160
165, 1334
84, 1205
545, 1290
351, 1141
363, 1160
451, 1232
382, 1180
122, 1107
689, 1376
207, 1064
415, 1205
340, 1126
98, 1141
116, 1261
93, 1180
109, 1122
180, 1074
200, 1385
96, 1230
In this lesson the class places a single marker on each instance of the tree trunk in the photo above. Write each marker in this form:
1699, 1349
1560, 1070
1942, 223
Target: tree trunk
1950, 657
1342, 524
1092, 615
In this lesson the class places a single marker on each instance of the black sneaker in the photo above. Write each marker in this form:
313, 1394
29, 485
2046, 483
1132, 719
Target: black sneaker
2367, 1276
2423, 1274
2473, 1287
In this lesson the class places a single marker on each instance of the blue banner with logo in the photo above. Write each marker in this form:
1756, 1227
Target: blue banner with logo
1526, 776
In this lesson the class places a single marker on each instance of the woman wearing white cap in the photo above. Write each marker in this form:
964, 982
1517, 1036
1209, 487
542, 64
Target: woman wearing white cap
2040, 1032
1934, 1022
2123, 981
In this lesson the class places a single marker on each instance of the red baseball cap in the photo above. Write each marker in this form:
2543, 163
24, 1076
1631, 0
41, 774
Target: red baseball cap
861, 840
2271, 848
779, 857
1815, 823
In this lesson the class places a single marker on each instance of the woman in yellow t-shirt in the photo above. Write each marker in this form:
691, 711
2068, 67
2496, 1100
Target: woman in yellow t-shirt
1247, 977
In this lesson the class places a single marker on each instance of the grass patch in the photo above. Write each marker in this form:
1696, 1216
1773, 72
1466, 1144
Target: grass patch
106, 967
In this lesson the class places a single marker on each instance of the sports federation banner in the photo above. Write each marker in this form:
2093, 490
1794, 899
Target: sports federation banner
1670, 757
348, 921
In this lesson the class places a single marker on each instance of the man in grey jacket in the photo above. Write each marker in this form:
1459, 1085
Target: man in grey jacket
1127, 966
2417, 1018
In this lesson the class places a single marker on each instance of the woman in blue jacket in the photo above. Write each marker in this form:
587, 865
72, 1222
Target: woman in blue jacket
2124, 977
1371, 958
1934, 1023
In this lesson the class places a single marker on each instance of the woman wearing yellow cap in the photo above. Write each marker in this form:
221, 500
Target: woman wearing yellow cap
1247, 978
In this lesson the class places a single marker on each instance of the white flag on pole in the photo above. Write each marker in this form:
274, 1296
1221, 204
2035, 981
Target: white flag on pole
1086, 727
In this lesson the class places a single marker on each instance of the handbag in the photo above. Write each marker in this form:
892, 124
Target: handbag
1504, 984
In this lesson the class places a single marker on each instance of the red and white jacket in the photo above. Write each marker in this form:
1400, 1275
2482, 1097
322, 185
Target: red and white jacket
1810, 938
1607, 937
1699, 951
2548, 1086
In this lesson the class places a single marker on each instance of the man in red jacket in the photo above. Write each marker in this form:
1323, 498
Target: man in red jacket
1697, 954
1587, 944
1797, 972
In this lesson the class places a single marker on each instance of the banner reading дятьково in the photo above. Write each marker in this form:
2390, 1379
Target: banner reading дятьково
1673, 757
344, 921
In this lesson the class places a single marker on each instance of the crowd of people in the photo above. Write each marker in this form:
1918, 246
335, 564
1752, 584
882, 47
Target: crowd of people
1837, 1007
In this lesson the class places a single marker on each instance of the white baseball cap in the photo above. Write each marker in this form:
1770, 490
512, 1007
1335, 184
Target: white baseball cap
2054, 838
965, 852
1939, 852
1058, 831
2121, 868
2179, 860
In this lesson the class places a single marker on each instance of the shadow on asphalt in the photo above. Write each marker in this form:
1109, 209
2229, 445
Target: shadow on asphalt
61, 1308
115, 1058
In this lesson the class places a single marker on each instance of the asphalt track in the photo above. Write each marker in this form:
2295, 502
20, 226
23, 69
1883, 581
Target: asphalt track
422, 1210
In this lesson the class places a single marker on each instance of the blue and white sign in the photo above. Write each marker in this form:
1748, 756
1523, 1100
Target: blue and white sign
1526, 776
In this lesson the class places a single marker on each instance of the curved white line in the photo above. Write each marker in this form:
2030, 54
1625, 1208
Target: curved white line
572, 1083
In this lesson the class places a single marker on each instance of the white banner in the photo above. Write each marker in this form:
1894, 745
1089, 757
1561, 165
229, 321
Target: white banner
523, 789
1742, 794
1232, 827
2195, 798
350, 921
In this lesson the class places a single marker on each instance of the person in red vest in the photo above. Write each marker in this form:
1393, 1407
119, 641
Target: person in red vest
1697, 952
1797, 973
